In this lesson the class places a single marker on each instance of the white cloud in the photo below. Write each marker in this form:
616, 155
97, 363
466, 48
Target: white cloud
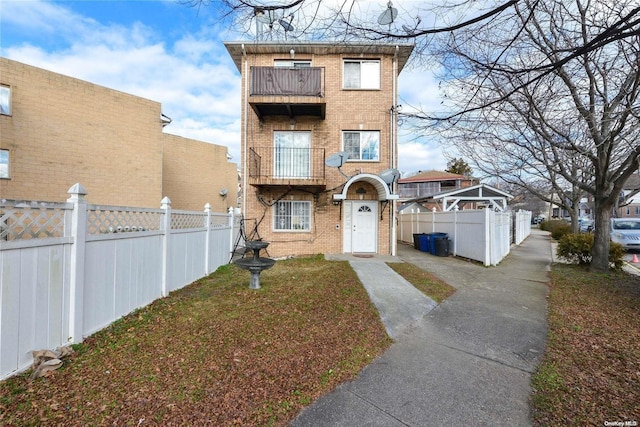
192, 77
415, 155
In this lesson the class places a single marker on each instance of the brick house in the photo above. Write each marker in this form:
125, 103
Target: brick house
56, 130
307, 108
424, 185
631, 205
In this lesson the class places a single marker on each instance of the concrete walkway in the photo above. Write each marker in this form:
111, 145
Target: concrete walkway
466, 362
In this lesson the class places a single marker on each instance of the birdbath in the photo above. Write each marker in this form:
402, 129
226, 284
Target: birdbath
256, 264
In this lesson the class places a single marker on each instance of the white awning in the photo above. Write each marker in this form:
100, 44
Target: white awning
381, 187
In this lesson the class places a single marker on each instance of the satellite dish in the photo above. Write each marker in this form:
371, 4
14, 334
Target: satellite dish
388, 16
390, 175
287, 26
224, 192
336, 160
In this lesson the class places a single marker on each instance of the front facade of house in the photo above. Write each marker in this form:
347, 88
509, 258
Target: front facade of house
428, 183
424, 185
631, 193
319, 137
57, 130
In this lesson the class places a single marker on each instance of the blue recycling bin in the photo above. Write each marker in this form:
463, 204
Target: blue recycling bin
421, 242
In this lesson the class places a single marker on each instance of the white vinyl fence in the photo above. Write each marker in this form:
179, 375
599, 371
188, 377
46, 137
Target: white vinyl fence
70, 269
482, 235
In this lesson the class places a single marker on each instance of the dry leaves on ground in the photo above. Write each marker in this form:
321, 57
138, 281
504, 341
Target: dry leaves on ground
590, 372
213, 353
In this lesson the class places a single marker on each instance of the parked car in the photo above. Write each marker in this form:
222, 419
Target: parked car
586, 225
626, 231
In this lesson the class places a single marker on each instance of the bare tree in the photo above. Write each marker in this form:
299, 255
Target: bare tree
575, 125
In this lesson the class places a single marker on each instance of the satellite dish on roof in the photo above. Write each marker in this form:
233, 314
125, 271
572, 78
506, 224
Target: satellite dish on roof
286, 25
336, 160
388, 16
390, 175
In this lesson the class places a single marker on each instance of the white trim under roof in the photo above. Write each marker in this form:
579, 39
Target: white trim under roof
476, 193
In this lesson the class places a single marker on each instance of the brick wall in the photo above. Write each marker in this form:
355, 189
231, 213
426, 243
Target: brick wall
345, 110
64, 130
194, 172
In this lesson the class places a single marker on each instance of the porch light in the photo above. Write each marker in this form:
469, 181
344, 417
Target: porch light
360, 191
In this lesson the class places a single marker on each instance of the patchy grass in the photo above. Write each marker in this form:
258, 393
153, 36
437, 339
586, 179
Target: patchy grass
590, 372
426, 282
213, 353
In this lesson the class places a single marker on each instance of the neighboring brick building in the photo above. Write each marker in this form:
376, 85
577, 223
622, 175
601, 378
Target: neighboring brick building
195, 173
302, 103
56, 130
631, 192
422, 186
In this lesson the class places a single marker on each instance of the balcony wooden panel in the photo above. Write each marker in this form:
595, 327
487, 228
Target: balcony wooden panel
291, 92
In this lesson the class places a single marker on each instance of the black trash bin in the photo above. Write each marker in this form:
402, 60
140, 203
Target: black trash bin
432, 241
442, 246
419, 242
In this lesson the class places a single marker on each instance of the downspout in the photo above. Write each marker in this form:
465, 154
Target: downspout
245, 100
394, 154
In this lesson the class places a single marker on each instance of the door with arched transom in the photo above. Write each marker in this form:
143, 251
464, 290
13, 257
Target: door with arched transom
361, 226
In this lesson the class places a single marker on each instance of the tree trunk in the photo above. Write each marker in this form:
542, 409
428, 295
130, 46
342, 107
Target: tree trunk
601, 238
575, 226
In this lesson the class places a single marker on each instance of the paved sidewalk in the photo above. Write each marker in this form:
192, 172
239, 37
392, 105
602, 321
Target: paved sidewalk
466, 362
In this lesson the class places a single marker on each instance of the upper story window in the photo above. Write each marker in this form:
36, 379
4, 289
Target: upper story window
4, 164
5, 100
361, 74
362, 145
291, 63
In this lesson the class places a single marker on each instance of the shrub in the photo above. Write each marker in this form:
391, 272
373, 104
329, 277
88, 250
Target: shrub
576, 248
560, 231
554, 224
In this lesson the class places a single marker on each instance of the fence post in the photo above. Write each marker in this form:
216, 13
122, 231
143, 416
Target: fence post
488, 237
207, 243
433, 220
77, 230
165, 226
455, 230
232, 231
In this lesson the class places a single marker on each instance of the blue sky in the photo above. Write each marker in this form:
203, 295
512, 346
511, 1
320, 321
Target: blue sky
169, 53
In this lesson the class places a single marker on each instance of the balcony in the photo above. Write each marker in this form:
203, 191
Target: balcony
291, 92
300, 167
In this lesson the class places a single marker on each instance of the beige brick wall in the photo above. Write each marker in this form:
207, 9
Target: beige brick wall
345, 110
194, 172
64, 130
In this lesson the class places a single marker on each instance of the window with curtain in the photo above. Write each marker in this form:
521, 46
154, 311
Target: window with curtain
361, 74
291, 215
292, 155
5, 100
4, 164
362, 145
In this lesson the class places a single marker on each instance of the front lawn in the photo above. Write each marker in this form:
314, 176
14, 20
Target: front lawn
590, 373
214, 352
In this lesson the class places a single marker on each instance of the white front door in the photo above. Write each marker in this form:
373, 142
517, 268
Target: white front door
361, 226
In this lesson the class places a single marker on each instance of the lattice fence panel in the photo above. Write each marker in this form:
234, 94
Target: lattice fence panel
219, 220
118, 220
31, 221
181, 220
